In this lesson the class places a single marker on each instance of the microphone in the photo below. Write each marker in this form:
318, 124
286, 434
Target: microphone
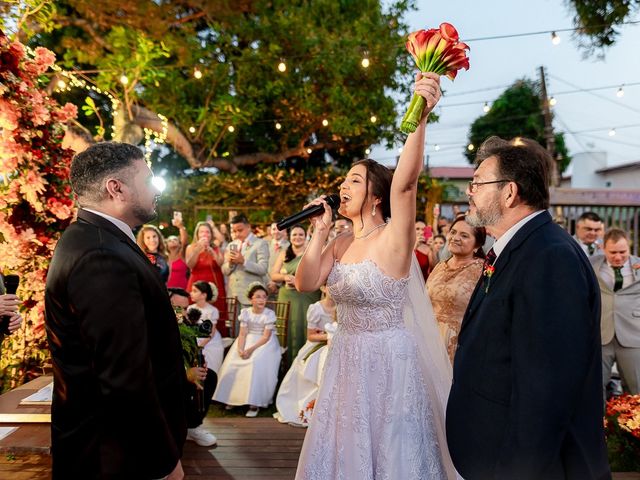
332, 200
11, 283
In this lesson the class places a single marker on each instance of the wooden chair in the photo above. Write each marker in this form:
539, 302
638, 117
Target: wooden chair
231, 315
282, 329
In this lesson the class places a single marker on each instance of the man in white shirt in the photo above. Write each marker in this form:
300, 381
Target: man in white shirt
618, 274
588, 228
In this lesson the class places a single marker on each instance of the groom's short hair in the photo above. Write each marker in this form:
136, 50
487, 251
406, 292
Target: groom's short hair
523, 161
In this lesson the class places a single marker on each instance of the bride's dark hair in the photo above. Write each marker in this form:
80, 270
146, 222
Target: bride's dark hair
380, 178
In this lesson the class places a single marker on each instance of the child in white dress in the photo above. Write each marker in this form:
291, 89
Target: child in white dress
249, 373
301, 383
212, 348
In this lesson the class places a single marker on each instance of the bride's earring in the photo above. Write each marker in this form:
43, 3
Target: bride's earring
373, 211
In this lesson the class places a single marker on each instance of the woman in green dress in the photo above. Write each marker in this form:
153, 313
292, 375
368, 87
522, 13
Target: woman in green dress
284, 271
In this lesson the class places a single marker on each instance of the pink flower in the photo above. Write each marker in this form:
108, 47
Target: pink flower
59, 209
40, 115
17, 49
44, 58
66, 113
9, 115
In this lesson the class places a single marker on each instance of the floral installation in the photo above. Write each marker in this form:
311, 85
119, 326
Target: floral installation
36, 202
214, 292
305, 414
488, 272
436, 50
622, 429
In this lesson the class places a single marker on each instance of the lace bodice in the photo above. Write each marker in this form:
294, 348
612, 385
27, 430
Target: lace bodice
367, 299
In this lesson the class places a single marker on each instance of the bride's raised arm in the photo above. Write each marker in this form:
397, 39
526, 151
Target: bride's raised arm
405, 178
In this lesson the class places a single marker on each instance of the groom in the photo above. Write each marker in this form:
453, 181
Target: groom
526, 400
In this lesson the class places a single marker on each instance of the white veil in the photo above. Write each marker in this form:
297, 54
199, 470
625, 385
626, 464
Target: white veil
434, 362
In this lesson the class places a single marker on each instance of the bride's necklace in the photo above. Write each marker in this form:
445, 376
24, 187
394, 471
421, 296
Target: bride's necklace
370, 231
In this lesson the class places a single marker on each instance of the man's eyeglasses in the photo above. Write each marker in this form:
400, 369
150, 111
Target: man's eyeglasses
473, 186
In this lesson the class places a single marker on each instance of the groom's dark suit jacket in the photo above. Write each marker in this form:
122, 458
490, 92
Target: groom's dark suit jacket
118, 408
526, 400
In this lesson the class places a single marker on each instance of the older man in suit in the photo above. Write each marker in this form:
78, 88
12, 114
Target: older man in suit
526, 399
118, 403
618, 274
246, 259
588, 228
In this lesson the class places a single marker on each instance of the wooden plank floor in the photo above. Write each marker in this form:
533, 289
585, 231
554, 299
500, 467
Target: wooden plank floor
248, 448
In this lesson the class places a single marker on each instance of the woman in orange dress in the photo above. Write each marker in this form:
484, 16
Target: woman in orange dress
452, 282
204, 259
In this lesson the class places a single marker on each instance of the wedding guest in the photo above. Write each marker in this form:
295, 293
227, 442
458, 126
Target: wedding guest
424, 253
588, 226
343, 225
151, 241
284, 271
204, 259
300, 384
202, 380
176, 246
618, 275
118, 397
9, 305
203, 294
277, 244
452, 282
246, 259
249, 373
526, 399
439, 241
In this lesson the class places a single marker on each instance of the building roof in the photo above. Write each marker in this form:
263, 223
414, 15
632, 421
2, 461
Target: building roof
620, 168
452, 172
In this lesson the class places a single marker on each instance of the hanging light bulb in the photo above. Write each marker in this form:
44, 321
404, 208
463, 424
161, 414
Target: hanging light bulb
436, 147
309, 151
620, 92
192, 129
552, 101
278, 126
231, 128
197, 73
373, 119
282, 67
367, 151
325, 122
486, 107
62, 84
612, 132
124, 80
365, 60
470, 147
555, 38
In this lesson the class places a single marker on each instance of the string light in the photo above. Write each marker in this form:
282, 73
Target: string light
325, 122
400, 150
365, 60
192, 129
373, 119
309, 151
367, 151
620, 92
278, 126
231, 128
197, 73
486, 107
612, 132
555, 38
470, 147
436, 147
124, 80
282, 67
62, 84
552, 101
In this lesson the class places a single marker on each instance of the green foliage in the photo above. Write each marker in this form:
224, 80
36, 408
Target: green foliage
516, 113
597, 20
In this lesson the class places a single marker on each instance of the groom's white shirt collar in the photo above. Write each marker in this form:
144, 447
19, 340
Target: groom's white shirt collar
502, 242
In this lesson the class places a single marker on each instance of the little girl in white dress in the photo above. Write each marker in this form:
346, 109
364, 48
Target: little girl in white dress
249, 373
212, 348
300, 386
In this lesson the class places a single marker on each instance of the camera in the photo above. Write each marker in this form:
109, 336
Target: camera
205, 328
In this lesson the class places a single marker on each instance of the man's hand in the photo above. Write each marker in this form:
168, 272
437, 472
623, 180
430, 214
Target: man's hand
15, 322
196, 375
236, 257
9, 304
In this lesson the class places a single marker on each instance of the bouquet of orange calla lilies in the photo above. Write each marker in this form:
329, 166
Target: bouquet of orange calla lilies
438, 51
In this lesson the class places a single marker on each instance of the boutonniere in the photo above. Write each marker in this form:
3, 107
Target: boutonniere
152, 258
636, 266
488, 272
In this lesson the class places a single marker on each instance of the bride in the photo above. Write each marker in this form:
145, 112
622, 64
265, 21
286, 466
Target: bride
380, 409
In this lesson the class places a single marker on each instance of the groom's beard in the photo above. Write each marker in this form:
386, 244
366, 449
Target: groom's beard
486, 217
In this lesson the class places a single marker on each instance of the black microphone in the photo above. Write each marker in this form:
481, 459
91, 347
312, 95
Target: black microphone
332, 200
11, 283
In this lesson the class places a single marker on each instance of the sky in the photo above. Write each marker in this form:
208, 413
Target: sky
585, 117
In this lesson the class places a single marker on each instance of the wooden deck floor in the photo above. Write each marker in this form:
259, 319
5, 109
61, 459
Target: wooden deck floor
251, 449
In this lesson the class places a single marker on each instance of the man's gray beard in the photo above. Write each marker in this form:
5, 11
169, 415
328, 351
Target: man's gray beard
486, 219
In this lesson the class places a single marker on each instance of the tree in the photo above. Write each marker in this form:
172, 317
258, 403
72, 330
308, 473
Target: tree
242, 111
596, 20
516, 113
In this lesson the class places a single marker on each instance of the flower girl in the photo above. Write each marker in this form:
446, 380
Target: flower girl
249, 373
202, 293
300, 385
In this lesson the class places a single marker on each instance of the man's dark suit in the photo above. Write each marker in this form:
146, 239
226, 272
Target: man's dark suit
118, 402
526, 400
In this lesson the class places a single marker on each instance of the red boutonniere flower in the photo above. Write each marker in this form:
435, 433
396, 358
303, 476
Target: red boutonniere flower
636, 266
488, 272
152, 258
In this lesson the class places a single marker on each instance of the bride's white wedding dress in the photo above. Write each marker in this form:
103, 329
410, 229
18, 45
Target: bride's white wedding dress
379, 411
